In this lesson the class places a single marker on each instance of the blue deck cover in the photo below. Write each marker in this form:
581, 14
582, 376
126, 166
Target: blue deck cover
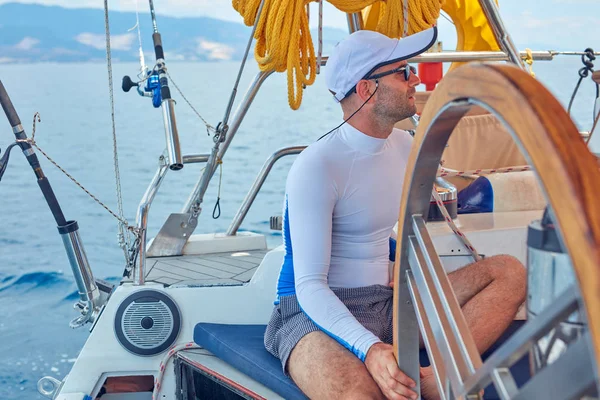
478, 197
242, 347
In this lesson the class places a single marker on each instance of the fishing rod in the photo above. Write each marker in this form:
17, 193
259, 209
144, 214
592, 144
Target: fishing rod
89, 294
157, 87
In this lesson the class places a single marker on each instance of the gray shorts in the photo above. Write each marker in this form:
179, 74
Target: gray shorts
372, 306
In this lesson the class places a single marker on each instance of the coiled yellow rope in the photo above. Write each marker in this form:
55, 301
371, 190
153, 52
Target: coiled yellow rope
284, 42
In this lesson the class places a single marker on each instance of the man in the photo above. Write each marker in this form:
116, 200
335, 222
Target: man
332, 323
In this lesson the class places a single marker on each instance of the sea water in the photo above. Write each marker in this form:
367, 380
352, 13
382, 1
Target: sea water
37, 290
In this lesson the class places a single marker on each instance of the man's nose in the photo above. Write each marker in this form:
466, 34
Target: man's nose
414, 80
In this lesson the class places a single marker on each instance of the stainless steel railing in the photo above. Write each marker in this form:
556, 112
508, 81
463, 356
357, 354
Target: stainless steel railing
256, 186
490, 9
139, 268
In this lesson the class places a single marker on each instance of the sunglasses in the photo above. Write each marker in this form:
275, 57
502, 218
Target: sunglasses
405, 70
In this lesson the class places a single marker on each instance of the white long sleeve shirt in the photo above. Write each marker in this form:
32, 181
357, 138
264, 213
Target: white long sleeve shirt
342, 202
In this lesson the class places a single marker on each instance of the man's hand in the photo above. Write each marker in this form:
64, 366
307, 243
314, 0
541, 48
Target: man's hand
382, 366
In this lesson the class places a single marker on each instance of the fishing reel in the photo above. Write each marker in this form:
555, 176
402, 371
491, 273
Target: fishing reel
152, 88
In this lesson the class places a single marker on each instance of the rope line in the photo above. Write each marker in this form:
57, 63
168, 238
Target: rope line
320, 51
217, 210
124, 241
529, 61
163, 364
461, 236
588, 67
32, 142
447, 172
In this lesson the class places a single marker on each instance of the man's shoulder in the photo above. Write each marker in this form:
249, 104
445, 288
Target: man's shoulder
321, 161
323, 152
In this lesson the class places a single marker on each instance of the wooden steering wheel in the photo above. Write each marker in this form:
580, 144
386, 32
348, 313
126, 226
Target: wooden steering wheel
569, 177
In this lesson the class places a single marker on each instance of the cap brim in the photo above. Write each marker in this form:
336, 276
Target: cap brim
410, 47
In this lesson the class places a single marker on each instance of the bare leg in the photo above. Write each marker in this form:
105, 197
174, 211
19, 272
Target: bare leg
323, 369
490, 293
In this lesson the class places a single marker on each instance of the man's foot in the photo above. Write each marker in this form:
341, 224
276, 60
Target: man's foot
429, 390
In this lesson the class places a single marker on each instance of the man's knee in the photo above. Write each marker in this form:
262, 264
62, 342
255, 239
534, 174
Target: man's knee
507, 267
511, 271
363, 393
362, 388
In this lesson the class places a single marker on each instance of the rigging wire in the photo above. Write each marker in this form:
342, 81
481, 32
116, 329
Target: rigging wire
32, 141
209, 127
243, 64
124, 240
443, 14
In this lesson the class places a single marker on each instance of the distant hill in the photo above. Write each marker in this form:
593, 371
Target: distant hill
37, 33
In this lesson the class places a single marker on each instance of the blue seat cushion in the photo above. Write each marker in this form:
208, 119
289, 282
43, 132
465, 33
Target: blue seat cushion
242, 346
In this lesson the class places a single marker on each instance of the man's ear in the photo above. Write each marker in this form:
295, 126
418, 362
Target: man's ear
363, 89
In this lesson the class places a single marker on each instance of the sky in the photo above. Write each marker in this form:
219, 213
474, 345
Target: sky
564, 24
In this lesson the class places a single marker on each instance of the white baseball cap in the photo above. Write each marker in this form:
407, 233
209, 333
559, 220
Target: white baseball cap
361, 53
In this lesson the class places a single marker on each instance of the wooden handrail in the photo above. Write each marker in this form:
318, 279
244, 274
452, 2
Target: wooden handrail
568, 172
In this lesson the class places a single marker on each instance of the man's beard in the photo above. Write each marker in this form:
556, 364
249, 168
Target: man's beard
393, 107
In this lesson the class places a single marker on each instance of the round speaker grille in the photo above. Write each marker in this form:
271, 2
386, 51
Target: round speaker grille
147, 322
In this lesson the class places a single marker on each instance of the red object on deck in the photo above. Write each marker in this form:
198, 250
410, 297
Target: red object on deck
430, 74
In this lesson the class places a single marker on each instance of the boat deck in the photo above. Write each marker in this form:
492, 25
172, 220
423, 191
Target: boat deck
214, 269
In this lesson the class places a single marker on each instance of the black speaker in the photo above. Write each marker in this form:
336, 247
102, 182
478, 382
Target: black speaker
147, 322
